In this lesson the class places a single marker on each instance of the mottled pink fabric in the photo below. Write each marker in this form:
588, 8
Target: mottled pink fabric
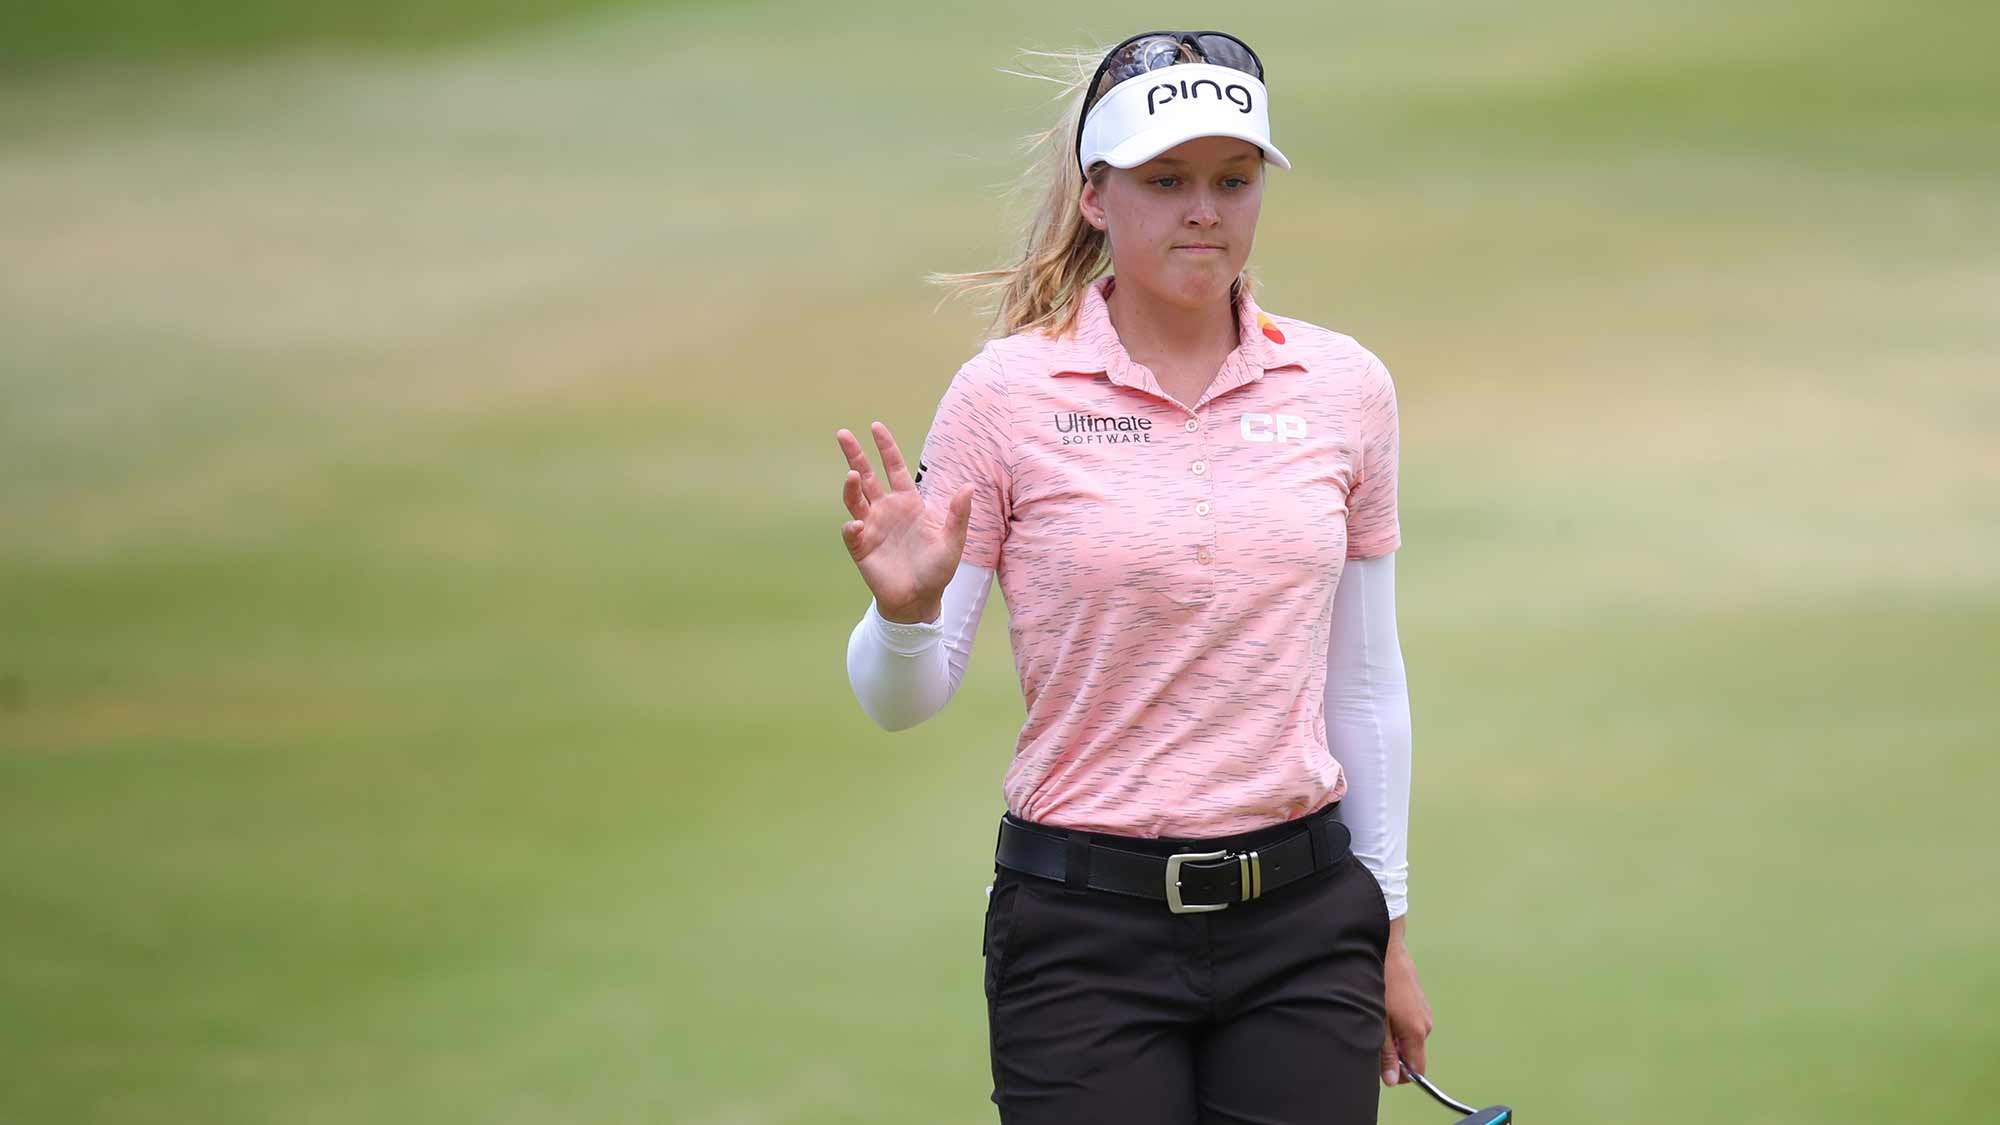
1169, 568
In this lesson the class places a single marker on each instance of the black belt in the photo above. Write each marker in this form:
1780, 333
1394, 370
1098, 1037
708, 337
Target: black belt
1191, 877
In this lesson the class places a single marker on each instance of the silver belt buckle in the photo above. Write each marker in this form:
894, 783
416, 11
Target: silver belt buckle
1174, 902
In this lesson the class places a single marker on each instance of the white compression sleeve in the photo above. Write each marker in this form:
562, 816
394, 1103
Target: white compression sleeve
903, 674
1368, 722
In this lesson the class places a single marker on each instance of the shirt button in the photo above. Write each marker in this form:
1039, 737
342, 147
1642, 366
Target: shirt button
1199, 467
1193, 424
1201, 509
1203, 555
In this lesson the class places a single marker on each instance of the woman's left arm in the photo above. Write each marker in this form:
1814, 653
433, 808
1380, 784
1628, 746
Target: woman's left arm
1368, 732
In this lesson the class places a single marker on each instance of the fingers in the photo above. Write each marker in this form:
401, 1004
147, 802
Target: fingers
851, 495
892, 458
1412, 1050
1408, 1019
960, 517
853, 533
850, 446
1402, 1052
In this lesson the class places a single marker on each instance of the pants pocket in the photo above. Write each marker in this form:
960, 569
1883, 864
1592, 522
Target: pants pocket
1377, 902
999, 926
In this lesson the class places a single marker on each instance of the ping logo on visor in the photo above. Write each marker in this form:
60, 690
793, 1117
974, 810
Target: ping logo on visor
1236, 93
1132, 112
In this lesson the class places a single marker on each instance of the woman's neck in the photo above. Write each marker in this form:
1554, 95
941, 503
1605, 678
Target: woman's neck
1183, 347
1152, 330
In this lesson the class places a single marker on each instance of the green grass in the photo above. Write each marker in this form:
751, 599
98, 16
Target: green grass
421, 605
40, 37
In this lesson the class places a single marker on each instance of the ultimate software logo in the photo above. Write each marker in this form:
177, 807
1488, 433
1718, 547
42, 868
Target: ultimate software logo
1102, 429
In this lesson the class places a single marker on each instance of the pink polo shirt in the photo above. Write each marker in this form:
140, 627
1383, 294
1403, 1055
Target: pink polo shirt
1169, 568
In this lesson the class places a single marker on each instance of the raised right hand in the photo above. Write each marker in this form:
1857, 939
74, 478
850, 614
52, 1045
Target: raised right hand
906, 550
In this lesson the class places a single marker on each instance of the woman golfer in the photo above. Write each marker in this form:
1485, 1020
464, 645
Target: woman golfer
1198, 896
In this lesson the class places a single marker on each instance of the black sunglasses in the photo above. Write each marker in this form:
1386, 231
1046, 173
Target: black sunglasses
1151, 50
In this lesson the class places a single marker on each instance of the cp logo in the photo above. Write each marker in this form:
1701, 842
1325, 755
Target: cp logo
1268, 427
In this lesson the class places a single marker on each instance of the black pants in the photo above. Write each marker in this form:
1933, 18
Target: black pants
1107, 1009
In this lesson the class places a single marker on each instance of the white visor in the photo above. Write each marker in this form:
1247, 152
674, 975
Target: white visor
1149, 113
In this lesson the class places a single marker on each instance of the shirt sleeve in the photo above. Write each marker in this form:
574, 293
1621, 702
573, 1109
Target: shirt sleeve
903, 673
969, 441
1368, 723
1372, 527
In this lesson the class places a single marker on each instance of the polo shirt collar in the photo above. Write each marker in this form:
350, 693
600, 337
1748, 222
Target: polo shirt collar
1093, 347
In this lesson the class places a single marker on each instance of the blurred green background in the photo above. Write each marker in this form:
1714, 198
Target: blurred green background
422, 607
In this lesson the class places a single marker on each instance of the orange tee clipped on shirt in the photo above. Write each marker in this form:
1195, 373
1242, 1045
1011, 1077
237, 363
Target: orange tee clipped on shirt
1169, 568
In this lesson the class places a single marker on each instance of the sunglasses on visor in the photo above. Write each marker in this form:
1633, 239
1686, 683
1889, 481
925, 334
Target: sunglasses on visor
1152, 50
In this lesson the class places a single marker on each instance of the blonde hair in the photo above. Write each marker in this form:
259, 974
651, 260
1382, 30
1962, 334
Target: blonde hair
1061, 253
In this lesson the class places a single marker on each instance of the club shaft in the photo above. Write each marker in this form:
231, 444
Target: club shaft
1440, 1095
